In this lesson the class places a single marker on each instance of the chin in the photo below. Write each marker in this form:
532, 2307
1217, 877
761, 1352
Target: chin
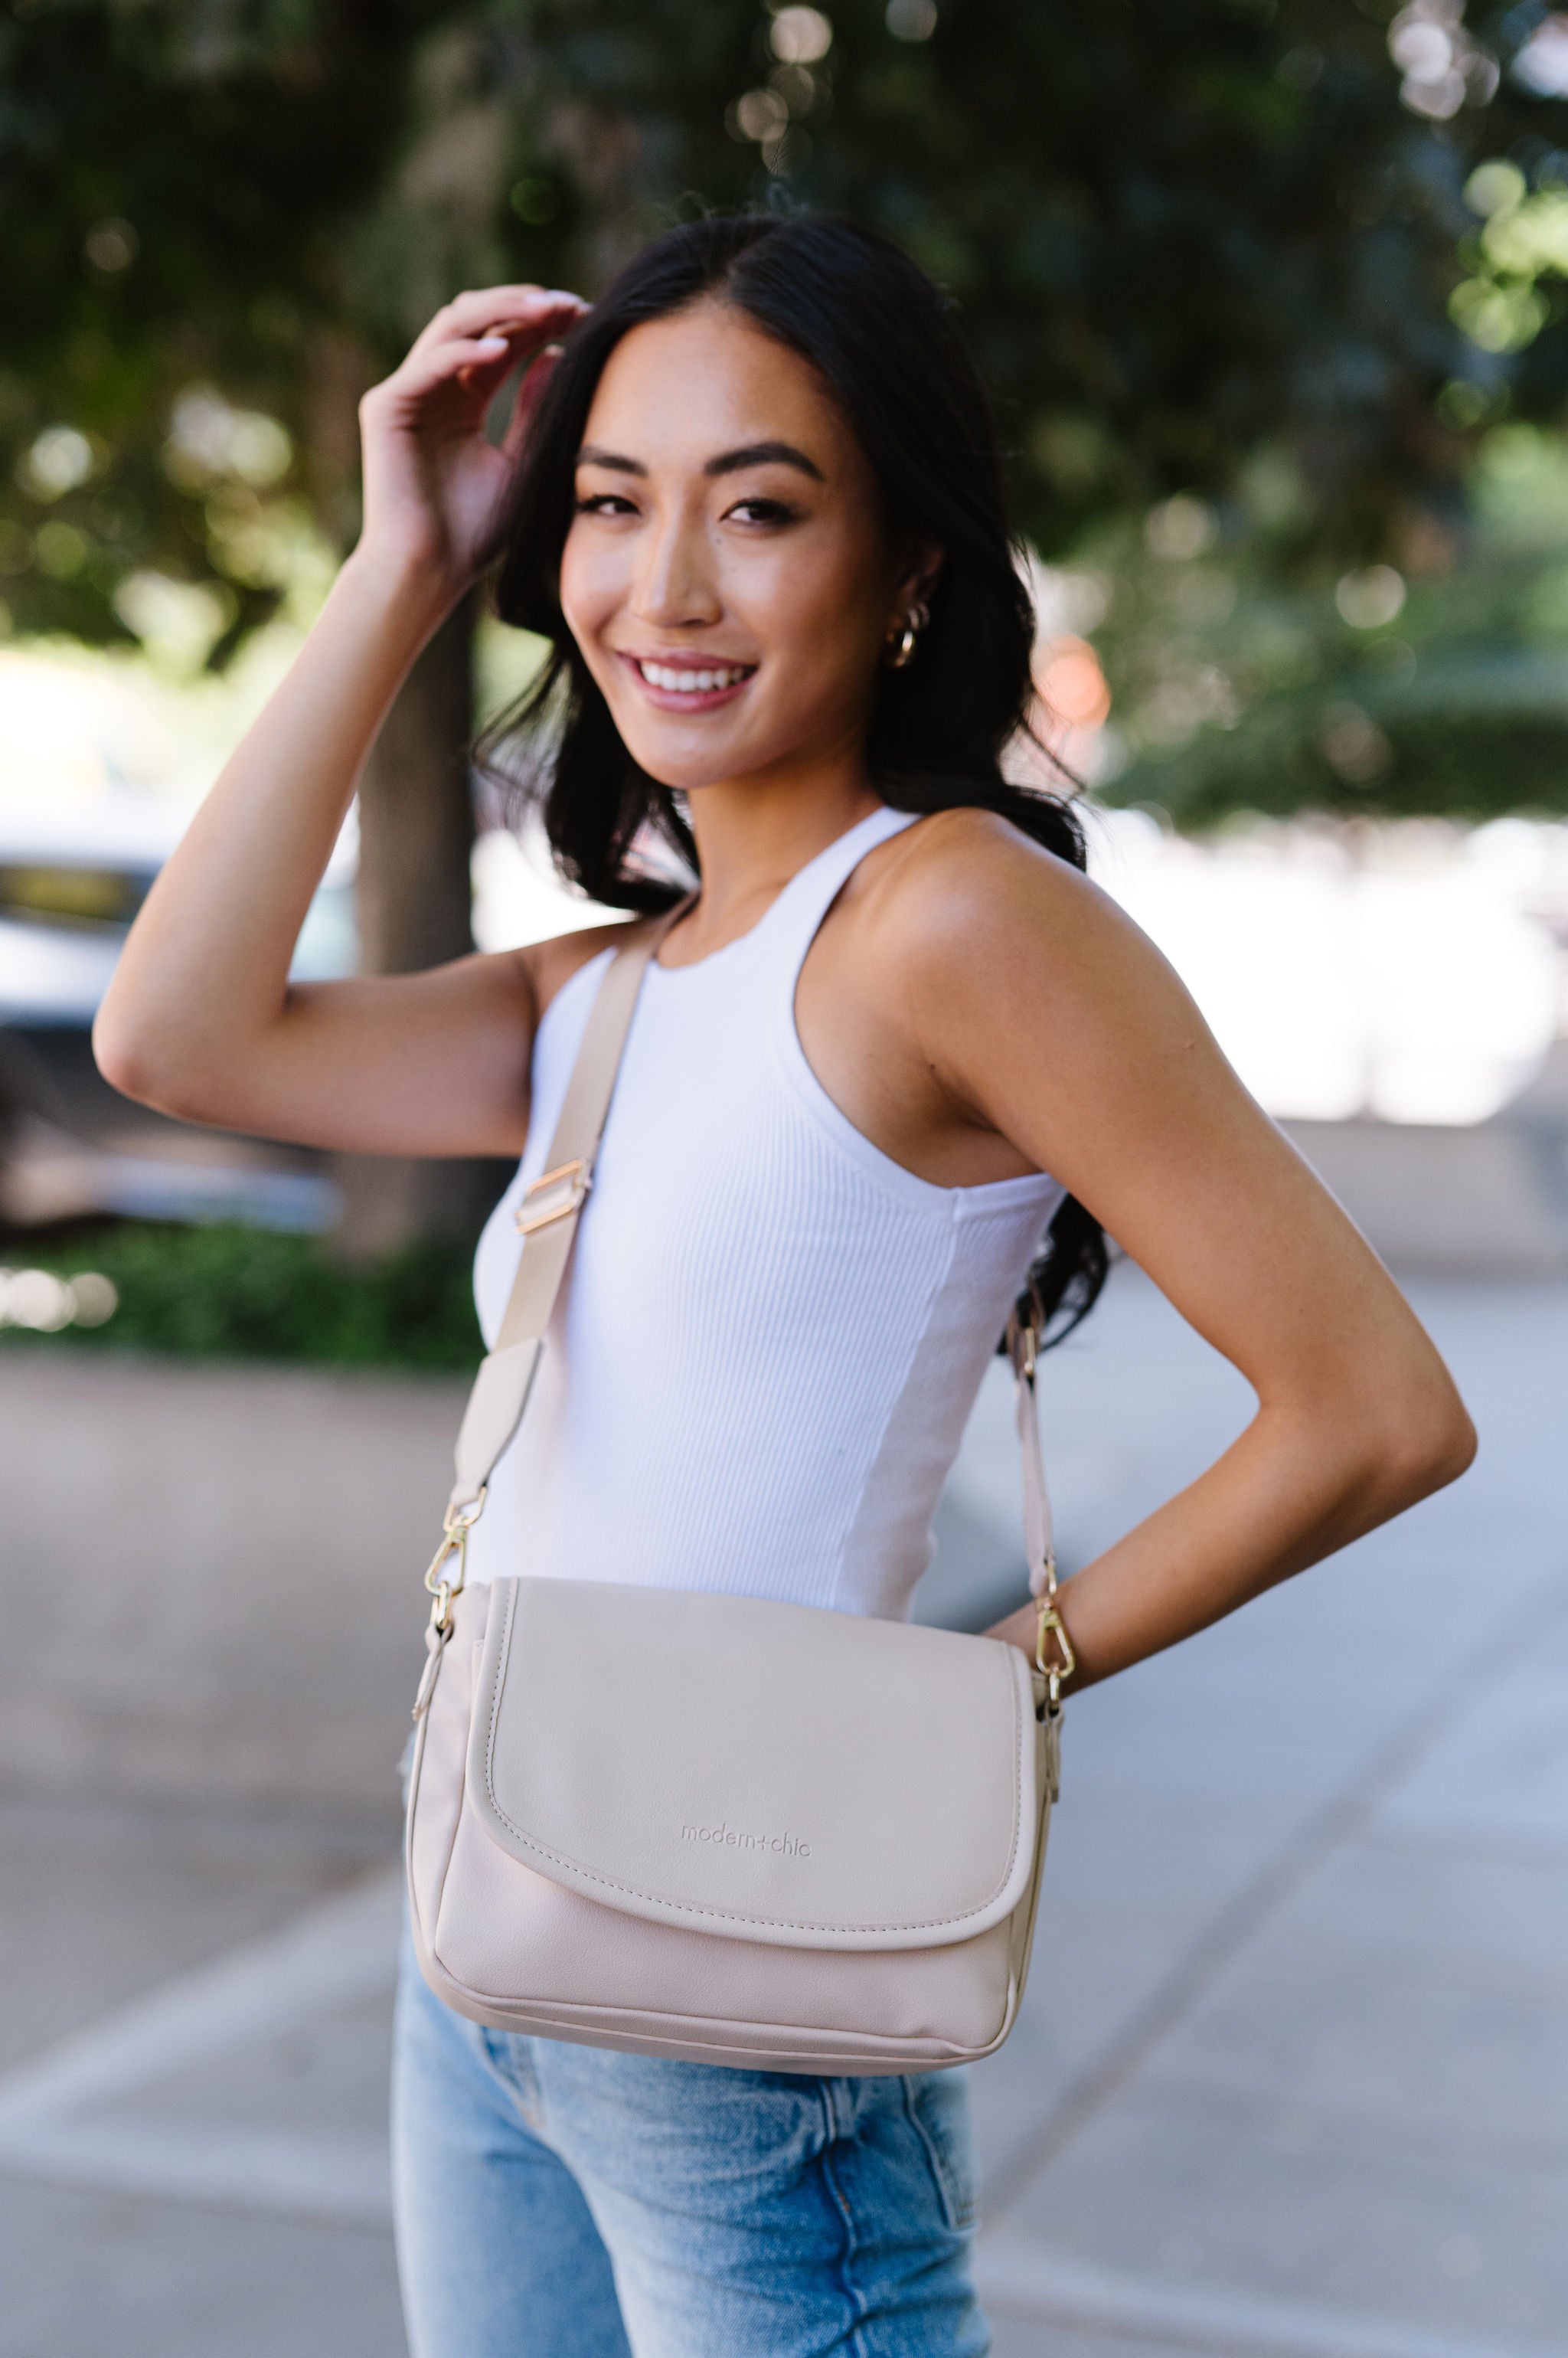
685, 777
685, 770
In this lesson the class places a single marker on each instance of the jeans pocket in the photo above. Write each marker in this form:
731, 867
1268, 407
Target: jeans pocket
938, 2107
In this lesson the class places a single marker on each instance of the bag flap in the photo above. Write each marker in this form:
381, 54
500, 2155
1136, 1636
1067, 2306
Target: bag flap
771, 1772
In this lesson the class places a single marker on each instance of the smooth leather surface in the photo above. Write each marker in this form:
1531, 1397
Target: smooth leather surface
508, 1946
804, 1778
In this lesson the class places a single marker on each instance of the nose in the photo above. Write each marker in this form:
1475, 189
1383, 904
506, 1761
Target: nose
674, 588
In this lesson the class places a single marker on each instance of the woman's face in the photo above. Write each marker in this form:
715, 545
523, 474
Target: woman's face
727, 575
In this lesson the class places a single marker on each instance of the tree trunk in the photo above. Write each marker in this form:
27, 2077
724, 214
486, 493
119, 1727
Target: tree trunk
413, 908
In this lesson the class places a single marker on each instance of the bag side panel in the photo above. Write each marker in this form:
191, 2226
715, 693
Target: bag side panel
436, 1779
1024, 1920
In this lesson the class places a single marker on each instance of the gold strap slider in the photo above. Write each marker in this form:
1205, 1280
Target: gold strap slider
554, 1195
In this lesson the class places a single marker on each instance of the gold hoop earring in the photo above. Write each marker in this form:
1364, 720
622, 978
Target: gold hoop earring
901, 649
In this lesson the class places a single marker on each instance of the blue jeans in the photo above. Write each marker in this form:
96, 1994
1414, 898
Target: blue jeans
558, 2201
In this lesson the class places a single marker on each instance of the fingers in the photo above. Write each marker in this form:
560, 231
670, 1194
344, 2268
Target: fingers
519, 312
475, 340
463, 359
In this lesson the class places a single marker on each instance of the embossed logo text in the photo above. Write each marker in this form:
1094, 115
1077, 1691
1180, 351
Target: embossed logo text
730, 1838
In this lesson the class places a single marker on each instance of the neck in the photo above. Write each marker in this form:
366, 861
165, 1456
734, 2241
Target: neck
753, 834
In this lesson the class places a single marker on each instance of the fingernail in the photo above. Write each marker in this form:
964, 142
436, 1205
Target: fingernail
492, 343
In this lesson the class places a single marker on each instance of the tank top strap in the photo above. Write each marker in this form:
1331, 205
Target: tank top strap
795, 915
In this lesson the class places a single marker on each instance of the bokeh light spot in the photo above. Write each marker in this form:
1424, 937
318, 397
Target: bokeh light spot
1180, 528
798, 36
112, 245
1370, 598
56, 463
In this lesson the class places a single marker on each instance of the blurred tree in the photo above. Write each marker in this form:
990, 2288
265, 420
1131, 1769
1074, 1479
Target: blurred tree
1190, 241
1241, 685
223, 223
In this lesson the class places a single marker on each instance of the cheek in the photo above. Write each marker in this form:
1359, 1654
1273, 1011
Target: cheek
824, 618
591, 583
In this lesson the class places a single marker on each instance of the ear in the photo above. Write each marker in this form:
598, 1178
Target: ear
920, 567
918, 571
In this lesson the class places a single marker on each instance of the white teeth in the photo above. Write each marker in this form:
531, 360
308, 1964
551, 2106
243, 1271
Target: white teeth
690, 683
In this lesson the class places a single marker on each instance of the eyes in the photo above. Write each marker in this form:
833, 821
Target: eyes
755, 510
762, 511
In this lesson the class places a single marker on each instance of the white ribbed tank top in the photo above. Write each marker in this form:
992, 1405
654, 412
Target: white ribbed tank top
772, 1333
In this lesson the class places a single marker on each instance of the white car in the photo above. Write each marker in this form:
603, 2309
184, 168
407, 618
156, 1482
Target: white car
70, 883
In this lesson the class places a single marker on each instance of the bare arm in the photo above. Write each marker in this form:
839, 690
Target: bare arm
200, 1018
1071, 1037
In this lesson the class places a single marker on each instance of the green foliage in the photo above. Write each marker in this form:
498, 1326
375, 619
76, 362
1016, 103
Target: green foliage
1240, 684
1175, 229
168, 177
1190, 240
232, 1292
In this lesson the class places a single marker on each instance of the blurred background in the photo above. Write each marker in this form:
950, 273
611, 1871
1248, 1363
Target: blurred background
1272, 298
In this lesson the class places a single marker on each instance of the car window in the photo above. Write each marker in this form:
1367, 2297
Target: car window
87, 896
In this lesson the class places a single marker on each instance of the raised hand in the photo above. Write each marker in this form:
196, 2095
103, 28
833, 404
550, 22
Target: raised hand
433, 484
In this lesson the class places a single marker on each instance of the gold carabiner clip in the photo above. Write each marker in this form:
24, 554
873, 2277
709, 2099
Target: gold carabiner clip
456, 1525
1050, 1624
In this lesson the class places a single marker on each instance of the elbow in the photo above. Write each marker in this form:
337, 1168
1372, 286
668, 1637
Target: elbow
130, 1063
1460, 1445
123, 1059
1428, 1443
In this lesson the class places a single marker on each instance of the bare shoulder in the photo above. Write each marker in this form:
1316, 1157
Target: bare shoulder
965, 894
548, 966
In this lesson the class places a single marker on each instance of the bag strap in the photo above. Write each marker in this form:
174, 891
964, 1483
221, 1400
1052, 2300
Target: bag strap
546, 1220
547, 1217
1039, 1533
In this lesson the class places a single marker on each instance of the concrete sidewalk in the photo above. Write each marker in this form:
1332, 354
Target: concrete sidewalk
1292, 2074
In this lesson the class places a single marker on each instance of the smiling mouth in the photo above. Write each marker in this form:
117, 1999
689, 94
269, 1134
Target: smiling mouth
690, 677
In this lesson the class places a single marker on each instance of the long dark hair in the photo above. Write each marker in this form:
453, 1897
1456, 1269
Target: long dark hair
881, 336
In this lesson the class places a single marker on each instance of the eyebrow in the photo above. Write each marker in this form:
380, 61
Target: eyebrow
765, 454
729, 462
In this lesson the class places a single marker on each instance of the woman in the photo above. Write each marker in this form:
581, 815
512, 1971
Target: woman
756, 508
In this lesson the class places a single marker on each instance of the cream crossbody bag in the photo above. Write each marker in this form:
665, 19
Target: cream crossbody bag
713, 1826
